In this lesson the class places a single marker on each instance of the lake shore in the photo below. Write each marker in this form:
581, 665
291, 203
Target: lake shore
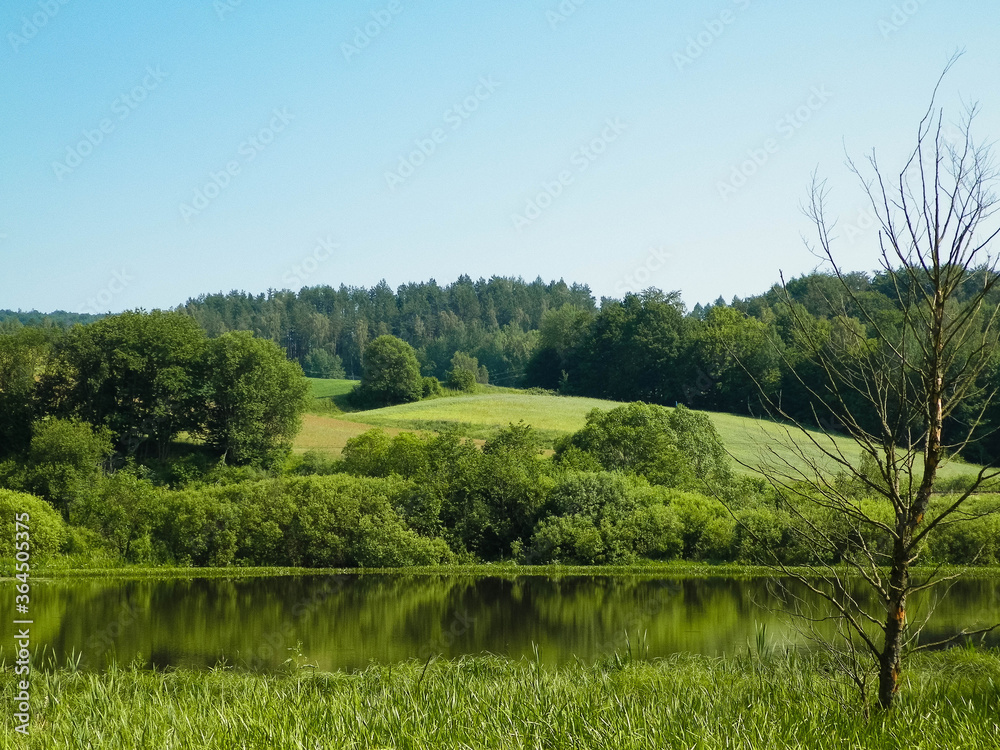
673, 569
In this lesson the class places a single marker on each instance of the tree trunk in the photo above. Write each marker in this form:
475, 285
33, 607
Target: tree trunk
890, 660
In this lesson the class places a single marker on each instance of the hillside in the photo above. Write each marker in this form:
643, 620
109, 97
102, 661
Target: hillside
749, 440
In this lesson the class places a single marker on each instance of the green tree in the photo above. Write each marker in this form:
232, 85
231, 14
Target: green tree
23, 356
130, 373
319, 363
739, 355
256, 398
391, 374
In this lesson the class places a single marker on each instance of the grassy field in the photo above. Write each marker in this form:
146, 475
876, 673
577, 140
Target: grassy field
328, 434
328, 396
750, 441
948, 700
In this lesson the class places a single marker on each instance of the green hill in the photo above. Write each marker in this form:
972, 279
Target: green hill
750, 441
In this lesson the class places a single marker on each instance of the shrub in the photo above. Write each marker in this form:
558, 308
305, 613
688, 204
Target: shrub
974, 541
572, 540
124, 510
709, 530
671, 448
462, 380
200, 526
314, 463
382, 544
407, 456
430, 386
47, 532
64, 461
368, 454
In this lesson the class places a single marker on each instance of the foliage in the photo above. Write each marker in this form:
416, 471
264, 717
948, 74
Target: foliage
391, 374
319, 363
255, 401
47, 531
63, 463
671, 448
462, 380
124, 510
430, 387
131, 373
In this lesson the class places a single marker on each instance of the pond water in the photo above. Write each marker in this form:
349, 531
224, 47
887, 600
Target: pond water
347, 621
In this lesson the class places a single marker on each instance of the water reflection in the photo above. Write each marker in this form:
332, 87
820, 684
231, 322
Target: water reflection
344, 622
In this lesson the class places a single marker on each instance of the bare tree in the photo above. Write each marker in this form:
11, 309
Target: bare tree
892, 384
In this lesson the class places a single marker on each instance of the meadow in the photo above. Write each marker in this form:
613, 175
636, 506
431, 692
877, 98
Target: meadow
756, 699
750, 442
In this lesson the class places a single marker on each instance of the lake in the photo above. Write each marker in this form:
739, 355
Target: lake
347, 621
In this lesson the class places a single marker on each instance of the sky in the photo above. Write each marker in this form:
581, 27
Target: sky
153, 151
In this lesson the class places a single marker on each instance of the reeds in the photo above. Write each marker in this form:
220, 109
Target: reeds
759, 699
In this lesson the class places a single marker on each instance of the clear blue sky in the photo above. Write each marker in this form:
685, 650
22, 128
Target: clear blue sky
154, 151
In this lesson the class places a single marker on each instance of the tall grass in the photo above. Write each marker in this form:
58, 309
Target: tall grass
949, 700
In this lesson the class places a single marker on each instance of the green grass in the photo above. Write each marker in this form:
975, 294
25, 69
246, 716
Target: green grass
948, 700
329, 396
480, 415
750, 441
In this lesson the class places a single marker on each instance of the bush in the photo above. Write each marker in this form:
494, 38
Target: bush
64, 461
671, 448
379, 544
462, 380
368, 454
975, 541
47, 532
200, 526
571, 540
124, 510
709, 530
314, 463
606, 518
431, 386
